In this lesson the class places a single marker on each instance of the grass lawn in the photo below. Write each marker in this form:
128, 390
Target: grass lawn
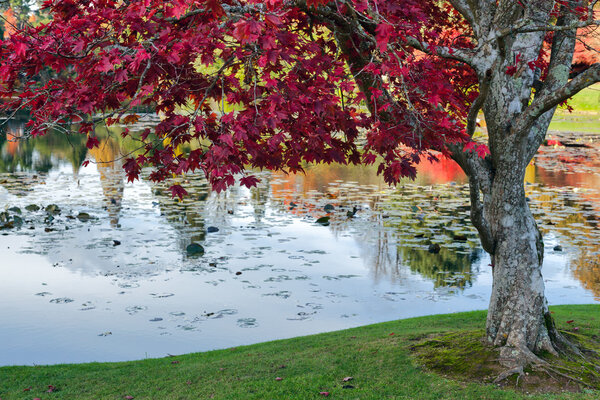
378, 359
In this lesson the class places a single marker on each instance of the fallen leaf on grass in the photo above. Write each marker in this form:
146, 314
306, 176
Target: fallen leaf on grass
51, 389
27, 389
347, 379
129, 397
570, 321
324, 394
279, 378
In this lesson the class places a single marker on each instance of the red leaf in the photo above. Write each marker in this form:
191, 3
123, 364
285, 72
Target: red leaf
20, 48
92, 142
249, 181
482, 151
324, 394
570, 321
178, 191
384, 32
279, 378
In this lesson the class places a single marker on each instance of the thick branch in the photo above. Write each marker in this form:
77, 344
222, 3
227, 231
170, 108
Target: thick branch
476, 107
478, 218
480, 176
461, 55
552, 99
464, 8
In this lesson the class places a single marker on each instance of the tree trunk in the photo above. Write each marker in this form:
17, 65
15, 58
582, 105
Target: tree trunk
518, 318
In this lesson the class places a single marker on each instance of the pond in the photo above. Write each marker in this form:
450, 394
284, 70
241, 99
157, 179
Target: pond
96, 269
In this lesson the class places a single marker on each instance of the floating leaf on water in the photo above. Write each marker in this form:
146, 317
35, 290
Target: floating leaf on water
247, 323
32, 207
15, 210
83, 216
194, 249
52, 209
161, 295
61, 300
135, 309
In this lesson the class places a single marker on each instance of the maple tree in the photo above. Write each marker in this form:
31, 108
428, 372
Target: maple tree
278, 83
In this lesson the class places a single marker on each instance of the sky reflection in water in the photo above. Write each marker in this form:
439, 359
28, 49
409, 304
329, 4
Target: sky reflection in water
69, 294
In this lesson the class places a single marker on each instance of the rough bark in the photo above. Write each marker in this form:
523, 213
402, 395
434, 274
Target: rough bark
518, 312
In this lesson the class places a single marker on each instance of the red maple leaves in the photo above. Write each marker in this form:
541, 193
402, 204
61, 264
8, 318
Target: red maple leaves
250, 85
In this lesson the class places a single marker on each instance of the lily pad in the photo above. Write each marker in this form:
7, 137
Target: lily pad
32, 207
15, 210
83, 216
52, 209
18, 221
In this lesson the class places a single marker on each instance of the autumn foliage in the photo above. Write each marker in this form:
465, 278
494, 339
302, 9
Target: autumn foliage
256, 84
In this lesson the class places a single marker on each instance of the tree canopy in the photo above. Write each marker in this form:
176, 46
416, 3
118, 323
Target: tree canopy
251, 84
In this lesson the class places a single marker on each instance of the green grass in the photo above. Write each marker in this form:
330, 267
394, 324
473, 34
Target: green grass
588, 100
378, 358
585, 116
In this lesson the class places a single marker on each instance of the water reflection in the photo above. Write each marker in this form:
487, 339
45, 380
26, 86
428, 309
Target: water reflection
108, 158
380, 253
402, 225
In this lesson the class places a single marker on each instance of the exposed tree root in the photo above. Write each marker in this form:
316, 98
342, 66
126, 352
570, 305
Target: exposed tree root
517, 359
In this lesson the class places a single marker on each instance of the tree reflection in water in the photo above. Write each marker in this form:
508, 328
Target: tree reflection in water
393, 228
108, 159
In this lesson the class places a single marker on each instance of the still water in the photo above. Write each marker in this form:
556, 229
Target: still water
103, 274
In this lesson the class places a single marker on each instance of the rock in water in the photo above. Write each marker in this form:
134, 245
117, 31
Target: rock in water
194, 249
434, 248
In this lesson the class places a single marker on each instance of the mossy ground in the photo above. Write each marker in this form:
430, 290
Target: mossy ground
465, 356
377, 357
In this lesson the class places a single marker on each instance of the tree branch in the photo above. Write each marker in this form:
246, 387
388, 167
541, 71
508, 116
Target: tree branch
464, 8
480, 175
461, 55
476, 107
546, 102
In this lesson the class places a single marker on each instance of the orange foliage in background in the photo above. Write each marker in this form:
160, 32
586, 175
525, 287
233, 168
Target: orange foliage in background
587, 51
10, 23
